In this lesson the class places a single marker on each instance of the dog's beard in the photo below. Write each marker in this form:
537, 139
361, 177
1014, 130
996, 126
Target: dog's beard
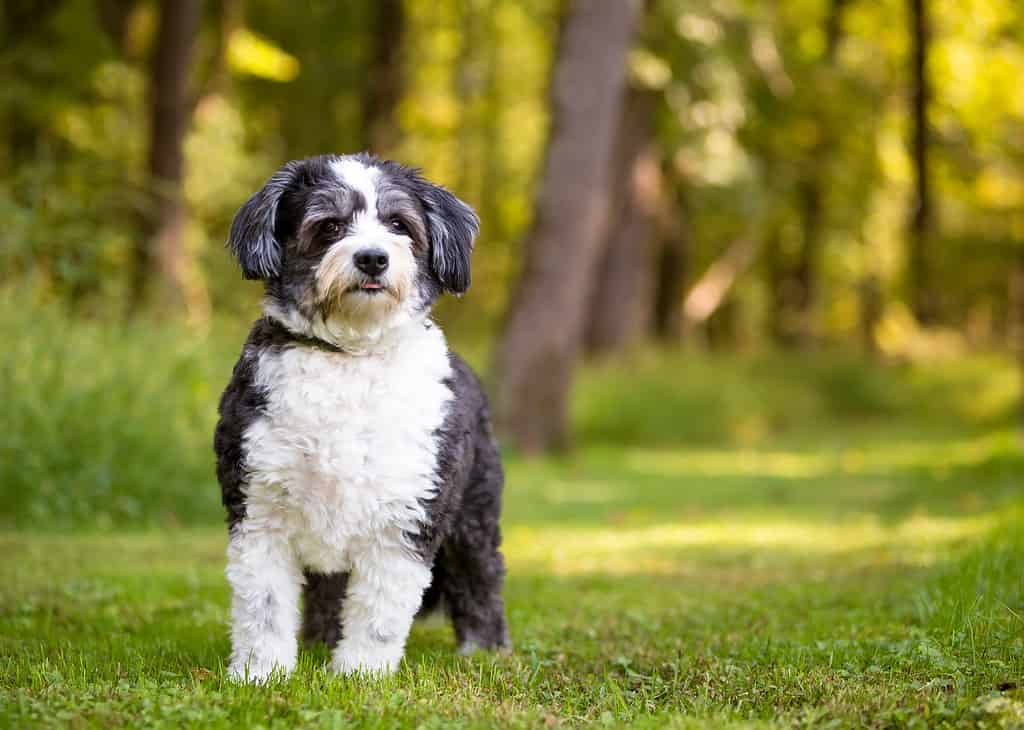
340, 298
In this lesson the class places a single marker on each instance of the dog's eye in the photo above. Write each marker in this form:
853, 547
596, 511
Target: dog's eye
397, 226
330, 228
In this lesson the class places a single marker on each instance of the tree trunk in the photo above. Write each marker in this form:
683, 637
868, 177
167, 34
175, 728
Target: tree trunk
1015, 303
804, 284
922, 296
383, 89
621, 301
161, 250
672, 265
114, 17
493, 161
543, 335
870, 313
803, 288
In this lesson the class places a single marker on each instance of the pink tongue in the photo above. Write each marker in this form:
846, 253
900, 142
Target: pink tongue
370, 285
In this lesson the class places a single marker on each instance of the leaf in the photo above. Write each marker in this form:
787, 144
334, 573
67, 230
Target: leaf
252, 54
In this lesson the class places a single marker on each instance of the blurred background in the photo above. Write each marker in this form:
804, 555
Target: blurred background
721, 239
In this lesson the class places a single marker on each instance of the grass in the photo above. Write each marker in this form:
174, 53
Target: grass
747, 541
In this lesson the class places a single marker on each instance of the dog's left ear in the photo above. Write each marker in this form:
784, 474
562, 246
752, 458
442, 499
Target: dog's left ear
252, 237
453, 227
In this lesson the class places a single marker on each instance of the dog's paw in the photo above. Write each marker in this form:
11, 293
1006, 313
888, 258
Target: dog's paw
376, 661
258, 670
470, 647
494, 640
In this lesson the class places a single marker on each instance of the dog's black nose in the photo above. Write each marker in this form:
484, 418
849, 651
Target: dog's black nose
371, 261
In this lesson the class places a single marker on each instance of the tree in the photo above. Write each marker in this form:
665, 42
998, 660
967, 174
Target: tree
160, 251
543, 335
922, 296
801, 291
671, 268
383, 89
621, 302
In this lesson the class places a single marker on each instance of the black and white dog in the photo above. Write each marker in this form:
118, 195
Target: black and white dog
354, 451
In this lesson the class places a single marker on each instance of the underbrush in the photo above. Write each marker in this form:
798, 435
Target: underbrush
660, 397
110, 424
106, 423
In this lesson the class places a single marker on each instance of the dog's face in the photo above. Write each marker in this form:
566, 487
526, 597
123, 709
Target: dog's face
354, 241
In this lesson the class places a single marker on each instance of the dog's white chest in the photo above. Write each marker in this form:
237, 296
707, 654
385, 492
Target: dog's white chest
347, 448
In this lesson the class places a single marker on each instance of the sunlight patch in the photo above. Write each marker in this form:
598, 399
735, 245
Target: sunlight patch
919, 540
876, 459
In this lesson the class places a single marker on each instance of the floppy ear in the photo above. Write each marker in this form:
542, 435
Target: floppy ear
252, 232
453, 226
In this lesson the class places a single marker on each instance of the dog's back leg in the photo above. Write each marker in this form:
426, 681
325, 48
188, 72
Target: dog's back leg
472, 569
321, 611
432, 596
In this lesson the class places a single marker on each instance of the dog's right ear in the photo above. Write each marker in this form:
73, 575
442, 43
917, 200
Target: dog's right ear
252, 237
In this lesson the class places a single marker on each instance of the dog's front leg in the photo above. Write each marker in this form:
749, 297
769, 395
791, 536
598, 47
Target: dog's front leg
385, 590
265, 583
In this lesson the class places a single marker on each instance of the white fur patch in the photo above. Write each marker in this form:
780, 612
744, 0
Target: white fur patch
359, 177
338, 468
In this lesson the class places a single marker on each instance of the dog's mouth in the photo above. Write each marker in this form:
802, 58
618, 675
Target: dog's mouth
370, 287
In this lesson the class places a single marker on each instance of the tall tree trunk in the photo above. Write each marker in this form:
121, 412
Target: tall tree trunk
621, 301
810, 190
493, 161
161, 250
803, 287
922, 295
673, 263
1015, 303
870, 312
383, 89
543, 335
114, 18
775, 269
474, 71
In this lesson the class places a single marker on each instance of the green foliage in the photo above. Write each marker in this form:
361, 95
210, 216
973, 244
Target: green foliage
755, 111
107, 424
684, 397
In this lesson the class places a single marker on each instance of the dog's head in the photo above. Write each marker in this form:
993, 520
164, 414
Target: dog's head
353, 241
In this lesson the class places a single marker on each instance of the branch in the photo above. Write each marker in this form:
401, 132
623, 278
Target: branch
710, 291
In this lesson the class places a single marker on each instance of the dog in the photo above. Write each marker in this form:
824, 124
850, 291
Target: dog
355, 452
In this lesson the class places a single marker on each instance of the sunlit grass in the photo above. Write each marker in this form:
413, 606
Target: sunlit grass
704, 625
937, 455
668, 548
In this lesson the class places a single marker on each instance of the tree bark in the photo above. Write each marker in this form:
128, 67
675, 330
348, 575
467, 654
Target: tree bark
922, 295
870, 313
621, 301
114, 17
803, 288
160, 251
1015, 303
543, 334
673, 264
383, 90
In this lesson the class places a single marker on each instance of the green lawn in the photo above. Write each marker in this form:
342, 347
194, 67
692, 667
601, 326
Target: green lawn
737, 542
